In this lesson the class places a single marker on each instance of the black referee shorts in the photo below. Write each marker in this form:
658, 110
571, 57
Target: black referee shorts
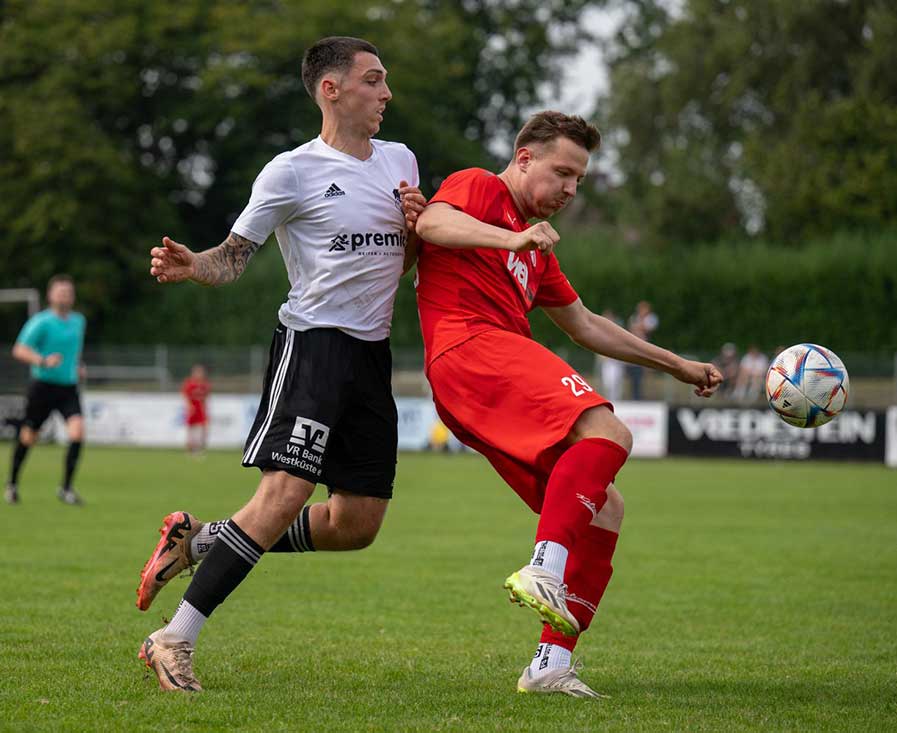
44, 397
327, 413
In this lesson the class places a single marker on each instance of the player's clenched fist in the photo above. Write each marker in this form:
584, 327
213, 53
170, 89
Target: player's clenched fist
705, 377
413, 203
541, 236
172, 262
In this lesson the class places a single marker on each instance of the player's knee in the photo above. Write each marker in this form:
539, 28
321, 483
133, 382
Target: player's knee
76, 430
285, 494
600, 422
27, 436
623, 436
614, 506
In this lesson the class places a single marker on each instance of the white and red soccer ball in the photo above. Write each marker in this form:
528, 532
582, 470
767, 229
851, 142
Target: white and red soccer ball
807, 385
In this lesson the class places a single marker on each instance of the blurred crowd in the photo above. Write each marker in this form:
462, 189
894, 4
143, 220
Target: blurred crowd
744, 374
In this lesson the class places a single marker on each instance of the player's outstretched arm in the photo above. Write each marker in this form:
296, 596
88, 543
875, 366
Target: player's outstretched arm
173, 262
602, 336
443, 224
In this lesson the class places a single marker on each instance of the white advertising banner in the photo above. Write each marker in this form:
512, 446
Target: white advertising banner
891, 438
417, 417
158, 420
647, 421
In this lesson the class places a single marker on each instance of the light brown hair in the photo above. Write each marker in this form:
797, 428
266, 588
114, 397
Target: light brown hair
60, 278
544, 127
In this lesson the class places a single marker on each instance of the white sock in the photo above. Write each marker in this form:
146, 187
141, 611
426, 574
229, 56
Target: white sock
185, 625
548, 657
204, 539
550, 557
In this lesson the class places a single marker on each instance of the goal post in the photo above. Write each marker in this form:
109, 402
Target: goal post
29, 296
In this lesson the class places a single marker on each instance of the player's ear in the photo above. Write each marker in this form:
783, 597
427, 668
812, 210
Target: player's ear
523, 157
329, 88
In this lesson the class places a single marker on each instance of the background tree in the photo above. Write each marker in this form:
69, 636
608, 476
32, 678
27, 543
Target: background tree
736, 116
121, 122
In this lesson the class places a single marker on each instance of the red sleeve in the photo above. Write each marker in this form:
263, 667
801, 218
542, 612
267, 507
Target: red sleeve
472, 190
555, 290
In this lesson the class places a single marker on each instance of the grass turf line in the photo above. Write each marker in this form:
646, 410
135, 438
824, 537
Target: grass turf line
746, 595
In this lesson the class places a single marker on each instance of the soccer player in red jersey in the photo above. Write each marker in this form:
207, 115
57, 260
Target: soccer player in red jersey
195, 390
556, 441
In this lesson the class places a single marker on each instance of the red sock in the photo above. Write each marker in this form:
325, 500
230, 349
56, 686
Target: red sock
588, 573
576, 489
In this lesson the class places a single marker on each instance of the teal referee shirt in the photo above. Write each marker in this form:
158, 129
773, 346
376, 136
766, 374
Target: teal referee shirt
47, 333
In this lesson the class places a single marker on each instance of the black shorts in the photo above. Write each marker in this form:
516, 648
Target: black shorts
327, 413
44, 397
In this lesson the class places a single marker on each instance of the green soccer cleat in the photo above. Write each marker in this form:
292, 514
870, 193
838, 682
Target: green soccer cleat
547, 596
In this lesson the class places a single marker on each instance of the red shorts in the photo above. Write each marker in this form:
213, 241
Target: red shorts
511, 399
196, 415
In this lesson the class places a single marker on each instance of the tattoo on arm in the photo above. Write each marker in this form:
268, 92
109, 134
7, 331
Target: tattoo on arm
224, 263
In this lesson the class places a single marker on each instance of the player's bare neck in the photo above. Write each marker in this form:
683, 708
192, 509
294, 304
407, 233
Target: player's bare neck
509, 179
345, 140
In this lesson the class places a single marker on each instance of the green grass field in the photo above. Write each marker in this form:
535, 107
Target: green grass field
746, 596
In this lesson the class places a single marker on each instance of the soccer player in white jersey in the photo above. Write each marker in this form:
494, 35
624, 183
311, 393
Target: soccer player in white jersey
343, 207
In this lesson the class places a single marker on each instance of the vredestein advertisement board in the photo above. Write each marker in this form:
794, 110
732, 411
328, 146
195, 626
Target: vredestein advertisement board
857, 435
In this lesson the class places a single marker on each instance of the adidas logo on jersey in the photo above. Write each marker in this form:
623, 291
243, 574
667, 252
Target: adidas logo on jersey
334, 190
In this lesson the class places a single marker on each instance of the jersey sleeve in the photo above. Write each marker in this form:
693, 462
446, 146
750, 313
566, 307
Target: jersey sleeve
555, 290
473, 191
274, 200
414, 180
32, 334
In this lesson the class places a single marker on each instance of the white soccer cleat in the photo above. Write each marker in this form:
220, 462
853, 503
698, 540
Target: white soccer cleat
69, 496
546, 595
562, 681
172, 662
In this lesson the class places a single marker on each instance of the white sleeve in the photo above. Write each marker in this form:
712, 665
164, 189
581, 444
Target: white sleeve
415, 173
274, 200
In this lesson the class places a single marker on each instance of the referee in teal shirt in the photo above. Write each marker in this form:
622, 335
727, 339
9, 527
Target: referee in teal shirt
51, 342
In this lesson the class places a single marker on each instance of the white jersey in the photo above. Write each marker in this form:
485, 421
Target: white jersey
340, 227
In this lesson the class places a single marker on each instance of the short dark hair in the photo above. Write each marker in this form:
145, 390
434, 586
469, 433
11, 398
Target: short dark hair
334, 53
543, 127
60, 278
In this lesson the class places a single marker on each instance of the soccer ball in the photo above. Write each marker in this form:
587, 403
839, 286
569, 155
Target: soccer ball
807, 385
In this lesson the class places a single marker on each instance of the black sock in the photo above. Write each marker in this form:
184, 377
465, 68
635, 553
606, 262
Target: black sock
18, 458
71, 460
231, 558
297, 538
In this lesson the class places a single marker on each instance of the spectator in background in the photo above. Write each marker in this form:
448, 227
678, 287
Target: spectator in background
195, 390
611, 370
749, 385
642, 323
727, 363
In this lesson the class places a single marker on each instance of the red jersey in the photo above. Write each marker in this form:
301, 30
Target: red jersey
463, 292
195, 391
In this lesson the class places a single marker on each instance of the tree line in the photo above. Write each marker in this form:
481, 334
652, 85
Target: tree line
726, 121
